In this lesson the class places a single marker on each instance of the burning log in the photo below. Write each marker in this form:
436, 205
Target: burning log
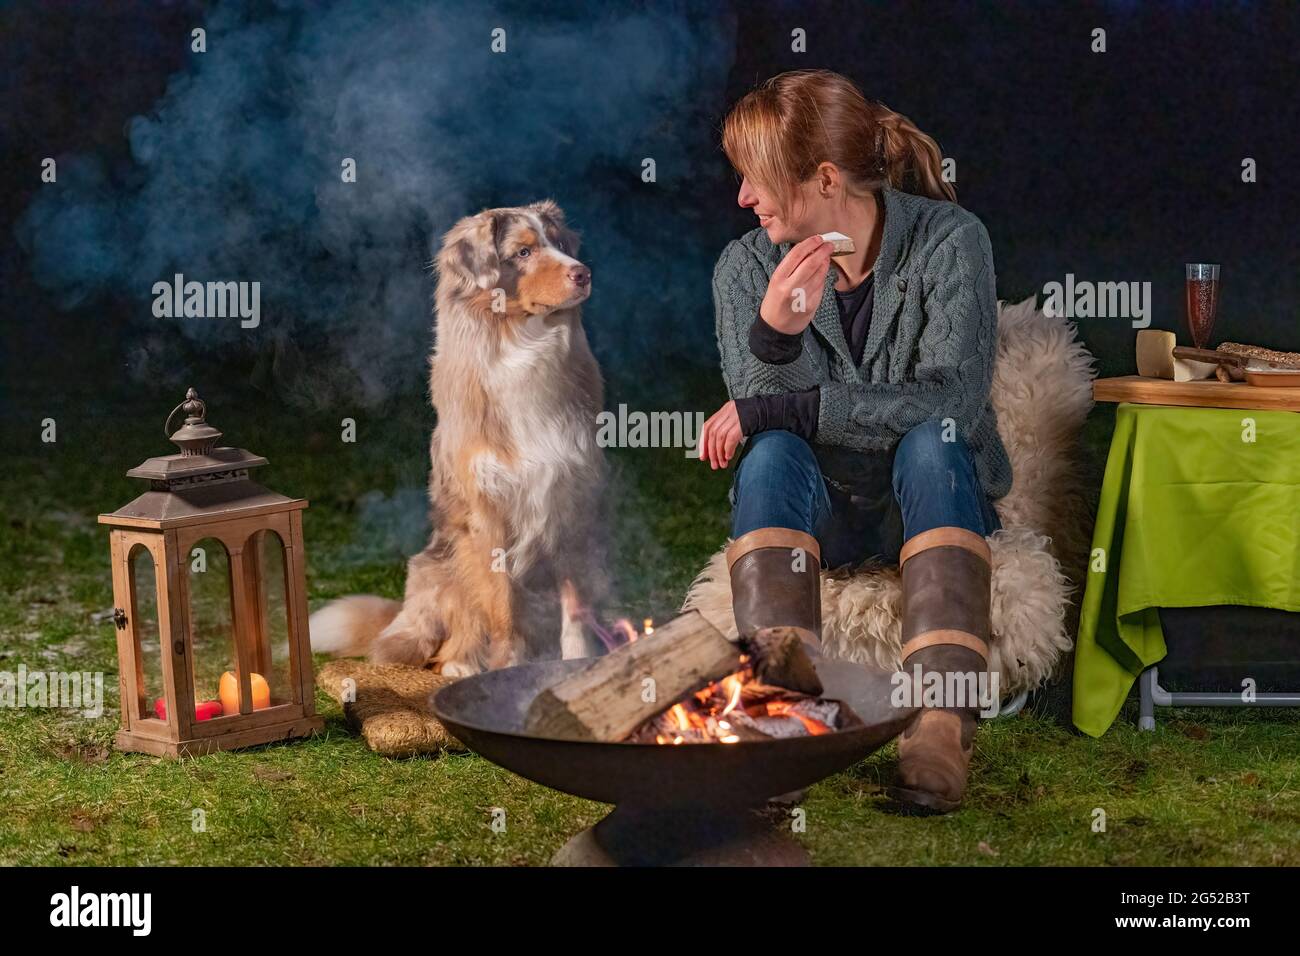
780, 658
756, 692
739, 708
608, 700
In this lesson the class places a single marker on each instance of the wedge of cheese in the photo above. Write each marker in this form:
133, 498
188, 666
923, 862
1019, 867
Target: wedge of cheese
1155, 359
1155, 353
842, 244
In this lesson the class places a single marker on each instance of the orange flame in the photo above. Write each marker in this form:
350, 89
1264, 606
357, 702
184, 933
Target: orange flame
702, 717
784, 708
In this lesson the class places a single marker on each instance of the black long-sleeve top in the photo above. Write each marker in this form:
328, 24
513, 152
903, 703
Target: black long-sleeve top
797, 411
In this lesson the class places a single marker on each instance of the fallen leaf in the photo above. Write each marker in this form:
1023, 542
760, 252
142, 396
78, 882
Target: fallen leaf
986, 849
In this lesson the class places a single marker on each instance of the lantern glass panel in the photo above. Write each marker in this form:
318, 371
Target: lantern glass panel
212, 630
143, 615
274, 612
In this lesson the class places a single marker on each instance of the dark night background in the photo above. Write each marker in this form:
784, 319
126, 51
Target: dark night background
225, 165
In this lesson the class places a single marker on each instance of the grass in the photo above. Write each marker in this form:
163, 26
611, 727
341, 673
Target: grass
1207, 787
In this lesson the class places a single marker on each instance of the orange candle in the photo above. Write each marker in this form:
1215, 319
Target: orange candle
228, 691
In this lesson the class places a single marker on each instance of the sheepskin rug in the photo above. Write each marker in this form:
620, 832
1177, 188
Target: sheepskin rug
1042, 392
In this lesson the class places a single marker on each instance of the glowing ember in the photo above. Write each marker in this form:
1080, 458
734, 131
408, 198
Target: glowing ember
740, 708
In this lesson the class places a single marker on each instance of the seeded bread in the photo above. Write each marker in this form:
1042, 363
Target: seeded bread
1278, 359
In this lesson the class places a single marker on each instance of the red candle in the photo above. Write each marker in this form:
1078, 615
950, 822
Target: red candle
203, 710
208, 709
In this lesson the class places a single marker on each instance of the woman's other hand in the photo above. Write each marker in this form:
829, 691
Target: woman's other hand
720, 436
795, 289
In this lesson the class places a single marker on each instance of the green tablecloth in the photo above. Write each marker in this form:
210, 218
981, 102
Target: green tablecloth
1190, 515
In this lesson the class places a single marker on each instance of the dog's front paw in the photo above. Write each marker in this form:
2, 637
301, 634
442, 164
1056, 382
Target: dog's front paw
458, 669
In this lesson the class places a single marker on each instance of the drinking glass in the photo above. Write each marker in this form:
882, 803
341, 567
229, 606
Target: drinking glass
1202, 301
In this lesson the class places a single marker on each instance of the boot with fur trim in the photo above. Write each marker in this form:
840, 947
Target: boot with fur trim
946, 573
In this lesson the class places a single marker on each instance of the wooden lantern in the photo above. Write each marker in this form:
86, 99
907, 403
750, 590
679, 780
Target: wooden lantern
204, 536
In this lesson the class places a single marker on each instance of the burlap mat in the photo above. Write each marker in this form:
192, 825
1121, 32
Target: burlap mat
391, 706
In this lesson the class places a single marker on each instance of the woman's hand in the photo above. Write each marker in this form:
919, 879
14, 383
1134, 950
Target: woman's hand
795, 289
720, 436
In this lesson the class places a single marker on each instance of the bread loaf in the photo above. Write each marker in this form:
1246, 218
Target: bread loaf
1278, 359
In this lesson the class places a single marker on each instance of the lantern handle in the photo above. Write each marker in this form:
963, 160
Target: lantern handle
191, 399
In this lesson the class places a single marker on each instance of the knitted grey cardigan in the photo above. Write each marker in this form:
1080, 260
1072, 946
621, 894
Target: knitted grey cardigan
929, 351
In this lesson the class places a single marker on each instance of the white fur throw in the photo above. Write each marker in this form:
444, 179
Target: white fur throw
1042, 392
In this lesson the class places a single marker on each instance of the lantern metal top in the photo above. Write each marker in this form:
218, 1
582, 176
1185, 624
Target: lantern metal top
197, 441
196, 436
201, 482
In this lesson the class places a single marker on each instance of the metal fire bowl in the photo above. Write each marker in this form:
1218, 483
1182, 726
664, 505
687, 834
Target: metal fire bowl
487, 711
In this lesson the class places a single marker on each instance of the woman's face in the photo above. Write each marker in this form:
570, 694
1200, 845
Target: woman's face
785, 222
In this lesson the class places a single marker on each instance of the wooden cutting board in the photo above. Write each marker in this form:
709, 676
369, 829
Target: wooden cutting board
1202, 394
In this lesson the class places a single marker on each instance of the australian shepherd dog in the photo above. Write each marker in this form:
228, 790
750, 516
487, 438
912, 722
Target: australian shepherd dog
517, 476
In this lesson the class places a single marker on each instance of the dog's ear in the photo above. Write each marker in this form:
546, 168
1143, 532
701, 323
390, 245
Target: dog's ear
469, 252
557, 231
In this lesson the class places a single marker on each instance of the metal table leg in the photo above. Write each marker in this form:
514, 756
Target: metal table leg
1152, 695
1146, 696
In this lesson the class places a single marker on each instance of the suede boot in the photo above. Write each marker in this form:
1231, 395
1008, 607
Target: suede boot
946, 630
775, 582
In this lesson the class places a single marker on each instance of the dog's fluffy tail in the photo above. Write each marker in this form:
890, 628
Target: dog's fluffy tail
347, 627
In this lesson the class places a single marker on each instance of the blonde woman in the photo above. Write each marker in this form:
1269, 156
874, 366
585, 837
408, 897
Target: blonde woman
860, 386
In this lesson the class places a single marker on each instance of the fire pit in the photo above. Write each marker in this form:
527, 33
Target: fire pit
695, 804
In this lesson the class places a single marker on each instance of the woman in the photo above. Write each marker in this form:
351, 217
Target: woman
861, 387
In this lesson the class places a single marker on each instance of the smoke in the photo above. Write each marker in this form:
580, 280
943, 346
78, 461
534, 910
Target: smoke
235, 175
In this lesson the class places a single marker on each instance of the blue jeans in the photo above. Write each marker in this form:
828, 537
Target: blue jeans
870, 503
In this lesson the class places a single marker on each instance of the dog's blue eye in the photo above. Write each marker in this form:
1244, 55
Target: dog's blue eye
524, 253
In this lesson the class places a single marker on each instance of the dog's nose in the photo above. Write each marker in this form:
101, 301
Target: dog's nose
579, 275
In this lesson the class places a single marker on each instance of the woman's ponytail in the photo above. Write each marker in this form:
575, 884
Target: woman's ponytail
911, 159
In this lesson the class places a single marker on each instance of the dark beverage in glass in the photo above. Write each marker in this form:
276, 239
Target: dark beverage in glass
1202, 301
